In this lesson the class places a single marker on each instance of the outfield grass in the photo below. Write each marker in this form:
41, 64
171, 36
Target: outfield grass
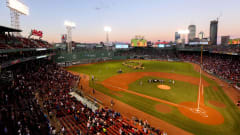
231, 113
105, 70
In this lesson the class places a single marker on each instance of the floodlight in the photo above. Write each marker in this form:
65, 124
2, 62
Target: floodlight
183, 31
18, 6
107, 29
69, 24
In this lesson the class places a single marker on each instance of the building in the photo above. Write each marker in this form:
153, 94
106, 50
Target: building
213, 32
182, 41
192, 32
201, 35
224, 40
177, 36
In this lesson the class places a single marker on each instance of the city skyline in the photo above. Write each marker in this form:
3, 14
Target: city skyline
155, 20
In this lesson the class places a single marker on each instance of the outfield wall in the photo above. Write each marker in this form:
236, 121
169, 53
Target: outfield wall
90, 56
81, 55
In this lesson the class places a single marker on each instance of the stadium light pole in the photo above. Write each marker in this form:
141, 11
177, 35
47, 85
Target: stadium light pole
69, 26
17, 8
107, 29
183, 33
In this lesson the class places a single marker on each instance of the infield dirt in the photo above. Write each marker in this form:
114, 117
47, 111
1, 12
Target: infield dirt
163, 108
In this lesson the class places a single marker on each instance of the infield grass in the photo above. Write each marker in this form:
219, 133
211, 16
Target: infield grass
187, 91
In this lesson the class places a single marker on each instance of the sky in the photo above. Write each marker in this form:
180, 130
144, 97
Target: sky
153, 19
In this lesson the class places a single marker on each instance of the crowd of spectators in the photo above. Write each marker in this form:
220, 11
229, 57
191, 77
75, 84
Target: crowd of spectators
216, 48
77, 118
8, 41
37, 93
21, 113
103, 121
224, 66
225, 48
11, 56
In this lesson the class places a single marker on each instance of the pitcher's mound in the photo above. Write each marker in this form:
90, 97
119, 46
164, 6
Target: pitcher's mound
164, 87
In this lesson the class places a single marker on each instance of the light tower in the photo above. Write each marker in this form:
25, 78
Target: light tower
17, 8
107, 29
69, 25
183, 33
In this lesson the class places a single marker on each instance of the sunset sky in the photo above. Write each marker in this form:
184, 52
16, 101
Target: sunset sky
154, 19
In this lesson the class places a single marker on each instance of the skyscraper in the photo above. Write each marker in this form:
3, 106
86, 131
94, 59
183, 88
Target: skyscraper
177, 36
192, 32
224, 40
213, 32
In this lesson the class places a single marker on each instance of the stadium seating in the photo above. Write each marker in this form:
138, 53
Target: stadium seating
11, 42
224, 66
39, 94
226, 49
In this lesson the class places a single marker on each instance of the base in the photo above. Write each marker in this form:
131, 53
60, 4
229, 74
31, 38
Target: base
199, 111
202, 114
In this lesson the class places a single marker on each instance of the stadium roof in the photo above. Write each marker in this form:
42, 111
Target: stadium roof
7, 29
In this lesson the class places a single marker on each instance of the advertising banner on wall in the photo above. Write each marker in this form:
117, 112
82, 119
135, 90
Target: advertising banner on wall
121, 46
234, 42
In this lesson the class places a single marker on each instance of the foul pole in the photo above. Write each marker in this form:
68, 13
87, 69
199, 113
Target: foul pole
200, 82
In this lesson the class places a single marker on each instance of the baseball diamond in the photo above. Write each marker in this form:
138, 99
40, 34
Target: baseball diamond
133, 89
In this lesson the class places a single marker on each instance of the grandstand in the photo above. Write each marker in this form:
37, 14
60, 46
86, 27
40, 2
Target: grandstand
8, 41
137, 87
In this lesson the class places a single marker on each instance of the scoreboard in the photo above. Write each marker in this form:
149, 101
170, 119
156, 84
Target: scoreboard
139, 43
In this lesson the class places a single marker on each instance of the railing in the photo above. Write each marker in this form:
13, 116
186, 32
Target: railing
85, 101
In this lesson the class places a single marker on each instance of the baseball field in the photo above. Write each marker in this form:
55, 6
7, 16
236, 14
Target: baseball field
169, 91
